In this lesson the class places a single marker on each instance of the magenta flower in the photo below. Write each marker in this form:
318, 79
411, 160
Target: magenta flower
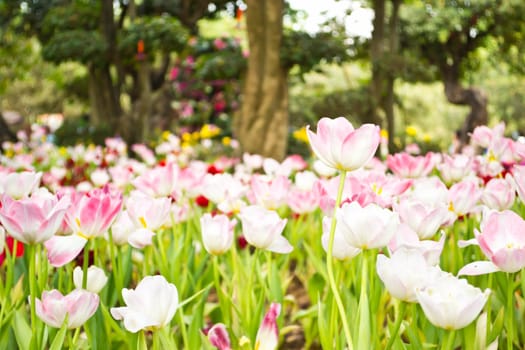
502, 240
218, 337
78, 306
342, 147
34, 219
268, 333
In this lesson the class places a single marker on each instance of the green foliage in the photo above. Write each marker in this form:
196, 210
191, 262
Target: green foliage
159, 34
79, 15
80, 130
219, 58
308, 51
76, 45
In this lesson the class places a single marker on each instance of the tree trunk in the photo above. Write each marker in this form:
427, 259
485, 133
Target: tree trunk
5, 133
473, 97
105, 106
376, 55
389, 99
261, 126
141, 110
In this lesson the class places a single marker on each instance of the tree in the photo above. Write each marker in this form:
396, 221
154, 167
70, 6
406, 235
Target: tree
261, 126
447, 36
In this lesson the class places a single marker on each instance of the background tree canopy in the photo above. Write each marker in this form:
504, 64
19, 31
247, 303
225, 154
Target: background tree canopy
135, 67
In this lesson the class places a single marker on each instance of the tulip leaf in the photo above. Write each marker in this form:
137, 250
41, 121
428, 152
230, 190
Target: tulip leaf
59, 338
497, 326
22, 330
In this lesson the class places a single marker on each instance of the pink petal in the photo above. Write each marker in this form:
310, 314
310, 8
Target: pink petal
478, 268
63, 249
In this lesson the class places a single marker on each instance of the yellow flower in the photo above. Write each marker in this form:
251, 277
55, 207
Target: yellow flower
226, 140
427, 137
186, 137
300, 135
195, 136
166, 135
208, 131
384, 134
411, 130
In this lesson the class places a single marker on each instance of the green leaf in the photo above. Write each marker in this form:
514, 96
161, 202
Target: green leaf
22, 330
59, 338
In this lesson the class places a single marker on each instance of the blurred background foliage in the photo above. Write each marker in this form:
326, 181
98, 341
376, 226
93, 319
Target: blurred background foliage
47, 51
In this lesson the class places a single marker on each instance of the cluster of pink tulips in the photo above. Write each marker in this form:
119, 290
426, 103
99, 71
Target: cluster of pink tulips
345, 251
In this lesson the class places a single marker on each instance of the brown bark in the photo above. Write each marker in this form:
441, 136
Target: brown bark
473, 97
261, 126
105, 106
389, 98
376, 55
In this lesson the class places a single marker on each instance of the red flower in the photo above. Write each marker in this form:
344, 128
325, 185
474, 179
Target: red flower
202, 201
10, 243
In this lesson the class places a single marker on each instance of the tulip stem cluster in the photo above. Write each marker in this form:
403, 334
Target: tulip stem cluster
400, 315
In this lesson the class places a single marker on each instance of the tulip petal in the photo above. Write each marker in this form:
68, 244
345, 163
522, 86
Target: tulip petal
280, 245
478, 268
63, 249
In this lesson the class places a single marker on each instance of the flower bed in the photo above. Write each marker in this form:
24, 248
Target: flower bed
167, 251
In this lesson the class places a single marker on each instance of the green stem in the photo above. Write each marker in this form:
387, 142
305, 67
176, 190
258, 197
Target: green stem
32, 291
220, 295
183, 330
363, 342
85, 265
448, 344
489, 310
399, 318
510, 311
329, 264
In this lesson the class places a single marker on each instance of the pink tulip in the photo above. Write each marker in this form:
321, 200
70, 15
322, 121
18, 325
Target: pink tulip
152, 304
78, 306
425, 219
455, 168
270, 193
263, 229
217, 233
499, 194
268, 333
405, 237
147, 214
464, 197
93, 213
90, 216
159, 181
406, 166
34, 219
342, 147
302, 202
20, 185
367, 227
502, 240
518, 177
218, 337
